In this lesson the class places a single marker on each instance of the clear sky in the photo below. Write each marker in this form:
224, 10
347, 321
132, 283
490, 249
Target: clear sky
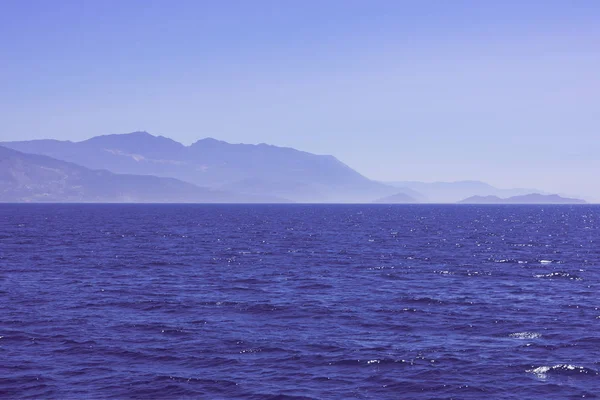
502, 91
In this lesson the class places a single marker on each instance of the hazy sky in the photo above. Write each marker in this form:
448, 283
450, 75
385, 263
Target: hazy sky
502, 91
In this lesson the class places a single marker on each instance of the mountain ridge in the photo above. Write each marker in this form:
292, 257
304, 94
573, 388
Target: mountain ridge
38, 178
283, 171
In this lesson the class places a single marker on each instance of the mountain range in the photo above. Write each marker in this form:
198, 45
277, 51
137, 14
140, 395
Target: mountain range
38, 178
140, 167
247, 169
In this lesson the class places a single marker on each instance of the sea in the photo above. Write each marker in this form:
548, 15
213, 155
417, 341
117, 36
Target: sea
134, 301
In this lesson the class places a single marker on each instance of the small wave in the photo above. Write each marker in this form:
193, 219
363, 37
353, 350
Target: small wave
219, 303
251, 350
562, 370
260, 308
424, 300
559, 274
525, 335
511, 261
315, 286
507, 261
443, 272
397, 310
158, 263
368, 362
252, 281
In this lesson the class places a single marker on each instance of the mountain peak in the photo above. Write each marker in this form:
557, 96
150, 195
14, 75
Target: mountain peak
139, 133
208, 141
130, 135
137, 136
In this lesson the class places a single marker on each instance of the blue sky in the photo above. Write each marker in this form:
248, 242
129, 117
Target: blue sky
502, 91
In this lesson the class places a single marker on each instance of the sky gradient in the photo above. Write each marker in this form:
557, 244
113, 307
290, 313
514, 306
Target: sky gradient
505, 92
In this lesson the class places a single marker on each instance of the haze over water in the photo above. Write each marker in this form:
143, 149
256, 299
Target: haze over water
299, 301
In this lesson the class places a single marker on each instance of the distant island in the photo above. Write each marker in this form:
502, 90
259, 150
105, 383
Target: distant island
532, 198
452, 192
398, 198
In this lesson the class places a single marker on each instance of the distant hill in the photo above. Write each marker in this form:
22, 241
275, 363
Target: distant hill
452, 192
398, 198
533, 198
252, 169
37, 178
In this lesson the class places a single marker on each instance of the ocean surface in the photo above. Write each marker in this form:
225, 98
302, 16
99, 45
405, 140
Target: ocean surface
299, 301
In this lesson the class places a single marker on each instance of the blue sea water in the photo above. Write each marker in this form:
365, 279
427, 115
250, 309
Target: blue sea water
299, 301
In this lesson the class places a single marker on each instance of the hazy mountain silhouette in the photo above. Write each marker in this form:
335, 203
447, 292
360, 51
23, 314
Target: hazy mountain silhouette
532, 198
33, 178
452, 192
398, 198
254, 169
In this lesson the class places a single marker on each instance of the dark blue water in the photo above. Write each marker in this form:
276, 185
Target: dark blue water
299, 301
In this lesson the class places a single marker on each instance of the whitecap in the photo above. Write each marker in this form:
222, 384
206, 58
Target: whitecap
525, 335
559, 274
561, 369
540, 372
